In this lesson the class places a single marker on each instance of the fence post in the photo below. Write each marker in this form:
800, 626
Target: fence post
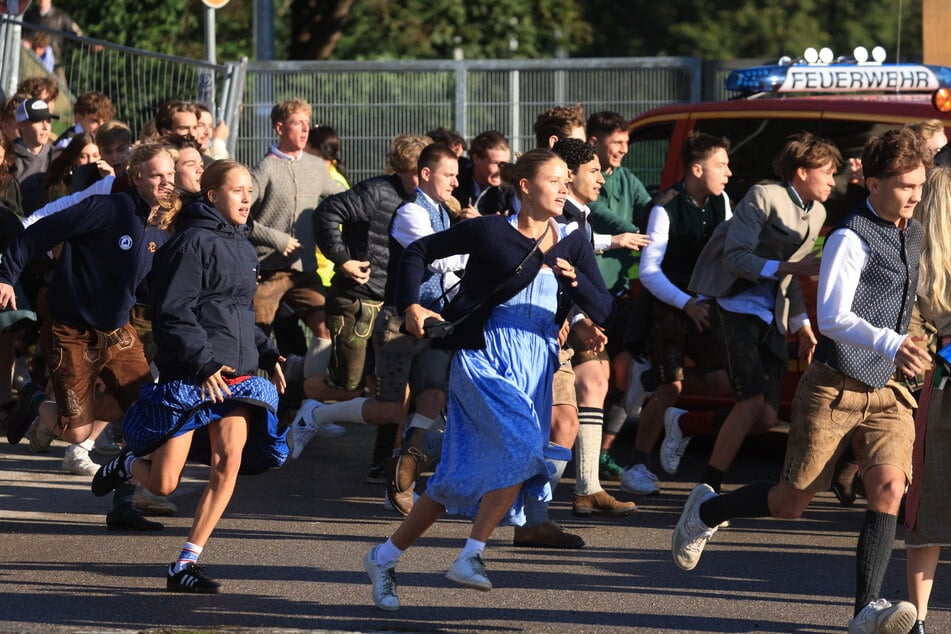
232, 90
461, 101
516, 99
696, 79
10, 31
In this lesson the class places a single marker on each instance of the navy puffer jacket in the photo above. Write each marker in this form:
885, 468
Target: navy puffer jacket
204, 280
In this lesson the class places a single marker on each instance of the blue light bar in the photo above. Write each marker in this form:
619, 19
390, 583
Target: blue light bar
840, 78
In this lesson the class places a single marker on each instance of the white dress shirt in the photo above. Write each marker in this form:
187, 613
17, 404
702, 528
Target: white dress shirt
652, 276
410, 223
843, 259
760, 301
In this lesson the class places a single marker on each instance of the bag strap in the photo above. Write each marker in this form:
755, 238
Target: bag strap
501, 285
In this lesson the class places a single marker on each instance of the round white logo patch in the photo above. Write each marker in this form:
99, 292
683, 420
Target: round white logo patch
125, 243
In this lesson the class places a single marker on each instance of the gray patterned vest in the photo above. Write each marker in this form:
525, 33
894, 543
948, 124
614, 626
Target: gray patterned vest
884, 297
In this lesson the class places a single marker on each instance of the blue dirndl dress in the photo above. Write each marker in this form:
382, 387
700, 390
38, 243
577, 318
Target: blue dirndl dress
499, 411
166, 410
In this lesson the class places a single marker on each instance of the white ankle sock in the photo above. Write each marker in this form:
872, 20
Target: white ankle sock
472, 547
346, 412
387, 553
189, 555
87, 444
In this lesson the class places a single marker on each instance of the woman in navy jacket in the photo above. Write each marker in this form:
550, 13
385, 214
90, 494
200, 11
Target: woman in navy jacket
522, 275
208, 403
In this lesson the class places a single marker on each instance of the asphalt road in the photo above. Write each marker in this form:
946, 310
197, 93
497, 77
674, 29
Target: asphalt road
290, 546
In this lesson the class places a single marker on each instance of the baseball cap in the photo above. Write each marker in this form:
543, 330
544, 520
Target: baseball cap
34, 110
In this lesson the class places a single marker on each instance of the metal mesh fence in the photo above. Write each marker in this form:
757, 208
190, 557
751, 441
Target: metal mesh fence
137, 81
367, 102
371, 102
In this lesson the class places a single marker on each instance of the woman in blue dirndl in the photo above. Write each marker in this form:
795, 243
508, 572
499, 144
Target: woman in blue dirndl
522, 276
208, 405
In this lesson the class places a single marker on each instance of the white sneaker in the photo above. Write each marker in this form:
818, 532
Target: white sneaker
883, 617
635, 394
674, 445
383, 579
148, 503
639, 480
76, 460
470, 572
302, 428
691, 534
41, 436
106, 443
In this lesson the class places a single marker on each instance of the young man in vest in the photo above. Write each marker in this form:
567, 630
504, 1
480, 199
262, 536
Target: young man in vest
750, 266
353, 231
851, 392
619, 209
589, 361
403, 359
679, 227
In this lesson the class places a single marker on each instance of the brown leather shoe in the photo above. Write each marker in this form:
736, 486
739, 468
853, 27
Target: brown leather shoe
601, 503
402, 502
406, 467
548, 534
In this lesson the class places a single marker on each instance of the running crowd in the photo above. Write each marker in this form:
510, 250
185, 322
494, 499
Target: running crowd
172, 304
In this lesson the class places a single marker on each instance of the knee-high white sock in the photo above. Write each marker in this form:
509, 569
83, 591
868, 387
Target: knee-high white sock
588, 452
559, 471
344, 412
317, 357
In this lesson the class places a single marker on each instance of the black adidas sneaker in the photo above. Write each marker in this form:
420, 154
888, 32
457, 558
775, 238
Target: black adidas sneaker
191, 578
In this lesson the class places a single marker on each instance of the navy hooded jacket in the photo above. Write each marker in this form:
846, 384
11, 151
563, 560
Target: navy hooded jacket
203, 283
107, 253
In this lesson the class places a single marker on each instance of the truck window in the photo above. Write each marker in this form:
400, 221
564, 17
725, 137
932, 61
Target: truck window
647, 153
754, 143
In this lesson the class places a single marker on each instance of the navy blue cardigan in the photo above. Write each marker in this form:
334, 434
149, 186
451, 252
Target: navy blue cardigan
495, 248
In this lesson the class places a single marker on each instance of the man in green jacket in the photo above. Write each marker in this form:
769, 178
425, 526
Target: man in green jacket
619, 209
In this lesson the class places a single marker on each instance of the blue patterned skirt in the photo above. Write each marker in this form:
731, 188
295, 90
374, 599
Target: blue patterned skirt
499, 411
167, 410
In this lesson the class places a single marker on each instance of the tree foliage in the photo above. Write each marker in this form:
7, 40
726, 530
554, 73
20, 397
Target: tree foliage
435, 29
173, 27
747, 28
428, 29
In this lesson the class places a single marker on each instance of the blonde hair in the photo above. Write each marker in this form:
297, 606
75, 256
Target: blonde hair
926, 129
143, 153
284, 109
404, 152
934, 214
215, 175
